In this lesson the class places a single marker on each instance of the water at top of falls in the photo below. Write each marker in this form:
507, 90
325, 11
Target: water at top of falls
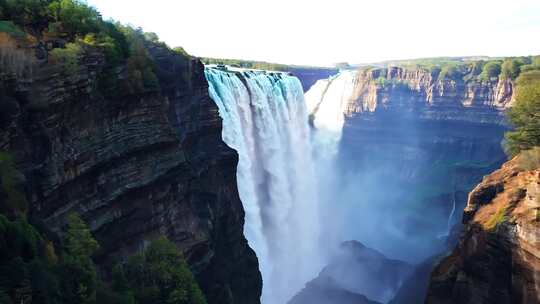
265, 119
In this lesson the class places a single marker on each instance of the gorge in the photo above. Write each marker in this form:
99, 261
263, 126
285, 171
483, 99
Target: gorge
134, 173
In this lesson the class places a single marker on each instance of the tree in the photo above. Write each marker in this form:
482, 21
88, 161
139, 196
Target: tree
490, 70
525, 114
77, 271
510, 67
79, 240
74, 17
159, 275
450, 71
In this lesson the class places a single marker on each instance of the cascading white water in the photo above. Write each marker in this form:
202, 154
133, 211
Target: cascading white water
326, 102
265, 120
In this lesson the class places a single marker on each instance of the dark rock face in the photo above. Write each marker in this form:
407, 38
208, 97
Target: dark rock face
134, 166
325, 291
356, 270
497, 260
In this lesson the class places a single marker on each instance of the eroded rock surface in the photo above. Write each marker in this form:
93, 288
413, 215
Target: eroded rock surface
497, 259
133, 165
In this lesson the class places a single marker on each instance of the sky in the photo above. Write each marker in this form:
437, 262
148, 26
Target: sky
313, 32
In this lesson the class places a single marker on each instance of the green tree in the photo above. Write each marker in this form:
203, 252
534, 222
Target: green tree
510, 67
77, 270
525, 114
74, 17
79, 240
490, 70
12, 199
159, 275
450, 71
25, 12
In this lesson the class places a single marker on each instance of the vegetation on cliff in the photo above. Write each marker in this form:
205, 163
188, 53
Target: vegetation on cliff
470, 69
35, 270
525, 114
70, 29
257, 65
36, 264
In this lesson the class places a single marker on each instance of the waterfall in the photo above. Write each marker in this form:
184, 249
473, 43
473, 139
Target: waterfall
327, 101
265, 120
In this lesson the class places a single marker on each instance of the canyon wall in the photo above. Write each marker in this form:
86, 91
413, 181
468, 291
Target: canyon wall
497, 259
133, 163
435, 137
410, 146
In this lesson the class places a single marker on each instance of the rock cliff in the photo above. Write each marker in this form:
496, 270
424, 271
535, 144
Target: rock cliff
497, 259
133, 165
404, 130
421, 90
356, 274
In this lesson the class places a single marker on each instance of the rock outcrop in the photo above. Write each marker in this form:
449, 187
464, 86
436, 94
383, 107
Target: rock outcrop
134, 165
497, 260
418, 89
356, 274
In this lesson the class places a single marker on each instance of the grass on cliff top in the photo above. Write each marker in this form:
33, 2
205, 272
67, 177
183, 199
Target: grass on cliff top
498, 218
12, 29
529, 159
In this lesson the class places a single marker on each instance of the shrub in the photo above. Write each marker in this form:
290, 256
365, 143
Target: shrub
77, 270
529, 159
25, 12
12, 199
525, 114
450, 71
490, 70
510, 67
158, 275
68, 57
12, 29
180, 50
75, 17
499, 217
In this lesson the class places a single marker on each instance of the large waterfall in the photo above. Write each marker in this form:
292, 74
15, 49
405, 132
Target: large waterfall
265, 120
326, 102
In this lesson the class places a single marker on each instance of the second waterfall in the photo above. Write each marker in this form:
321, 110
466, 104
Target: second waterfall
265, 120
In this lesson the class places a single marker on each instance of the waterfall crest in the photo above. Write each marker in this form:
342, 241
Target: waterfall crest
265, 119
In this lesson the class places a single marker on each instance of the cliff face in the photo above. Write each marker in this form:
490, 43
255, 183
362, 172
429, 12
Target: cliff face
497, 259
417, 89
417, 145
133, 166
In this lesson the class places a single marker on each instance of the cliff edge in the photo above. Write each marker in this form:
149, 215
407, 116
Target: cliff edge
497, 259
135, 159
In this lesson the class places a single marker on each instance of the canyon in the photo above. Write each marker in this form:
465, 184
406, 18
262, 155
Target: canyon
276, 187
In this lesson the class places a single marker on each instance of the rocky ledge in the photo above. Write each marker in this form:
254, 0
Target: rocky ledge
498, 257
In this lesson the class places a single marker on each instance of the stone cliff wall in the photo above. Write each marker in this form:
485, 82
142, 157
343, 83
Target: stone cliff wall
497, 259
133, 166
417, 89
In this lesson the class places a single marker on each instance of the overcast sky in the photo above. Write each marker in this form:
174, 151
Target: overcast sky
325, 32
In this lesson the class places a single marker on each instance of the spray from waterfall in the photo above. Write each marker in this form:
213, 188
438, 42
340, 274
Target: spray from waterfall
326, 102
265, 120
